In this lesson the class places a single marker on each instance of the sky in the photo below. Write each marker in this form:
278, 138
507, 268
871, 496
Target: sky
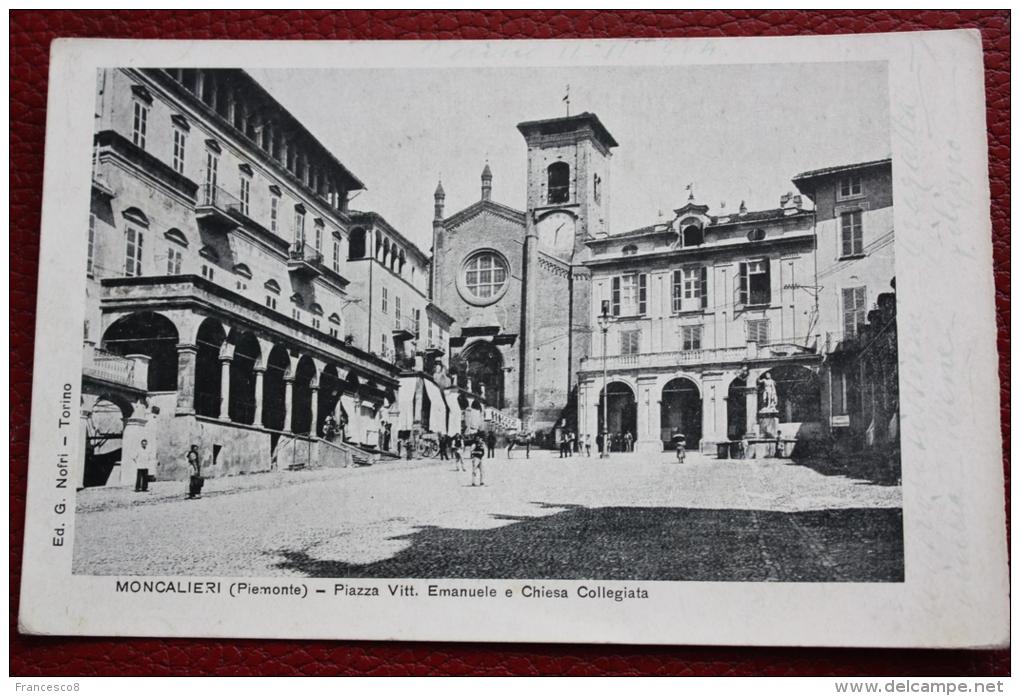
737, 132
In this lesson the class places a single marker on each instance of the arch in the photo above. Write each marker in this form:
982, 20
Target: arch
692, 235
315, 308
558, 177
402, 263
176, 236
330, 389
756, 235
622, 411
357, 247
385, 252
151, 334
104, 438
272, 286
681, 410
247, 354
629, 249
799, 394
136, 216
210, 340
736, 409
274, 399
483, 363
242, 270
304, 377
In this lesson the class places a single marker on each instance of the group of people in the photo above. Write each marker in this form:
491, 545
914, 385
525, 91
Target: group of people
452, 446
617, 442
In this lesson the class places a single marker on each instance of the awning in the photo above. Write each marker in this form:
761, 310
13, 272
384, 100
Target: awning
406, 402
453, 422
437, 411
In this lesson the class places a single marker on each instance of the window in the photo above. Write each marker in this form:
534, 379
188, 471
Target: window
385, 300
133, 255
382, 345
690, 289
318, 236
180, 140
296, 313
559, 182
212, 164
245, 193
396, 312
270, 302
850, 187
690, 337
692, 236
851, 233
485, 275
417, 322
89, 259
299, 226
241, 285
854, 311
756, 235
140, 124
274, 213
316, 322
755, 284
173, 261
336, 254
630, 342
630, 294
207, 271
431, 329
758, 331
597, 188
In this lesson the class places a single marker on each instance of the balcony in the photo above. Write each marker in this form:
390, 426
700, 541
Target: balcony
216, 208
707, 356
112, 368
304, 259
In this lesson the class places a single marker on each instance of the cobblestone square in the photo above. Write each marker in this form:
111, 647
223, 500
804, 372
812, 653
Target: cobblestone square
629, 518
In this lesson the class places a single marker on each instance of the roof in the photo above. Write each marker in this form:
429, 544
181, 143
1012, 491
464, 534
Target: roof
504, 211
714, 221
839, 169
567, 124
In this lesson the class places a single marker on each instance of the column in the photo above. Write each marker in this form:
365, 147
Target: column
751, 401
314, 428
649, 415
225, 361
186, 354
259, 374
713, 413
288, 399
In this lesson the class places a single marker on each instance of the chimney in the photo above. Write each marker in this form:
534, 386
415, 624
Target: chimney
486, 183
743, 208
440, 198
784, 200
798, 202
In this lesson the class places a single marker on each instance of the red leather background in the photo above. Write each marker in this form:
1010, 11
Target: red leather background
31, 33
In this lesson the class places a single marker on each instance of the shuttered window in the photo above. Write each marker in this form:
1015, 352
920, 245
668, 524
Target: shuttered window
690, 337
755, 285
851, 233
854, 311
630, 342
133, 255
758, 331
630, 294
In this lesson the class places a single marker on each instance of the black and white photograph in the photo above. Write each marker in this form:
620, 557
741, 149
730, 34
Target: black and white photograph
639, 331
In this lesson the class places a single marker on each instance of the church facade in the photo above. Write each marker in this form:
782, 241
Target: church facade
516, 280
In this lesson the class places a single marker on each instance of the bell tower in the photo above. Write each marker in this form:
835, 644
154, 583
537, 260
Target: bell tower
567, 204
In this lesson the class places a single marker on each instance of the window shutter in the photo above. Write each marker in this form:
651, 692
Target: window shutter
704, 286
849, 320
767, 299
616, 296
858, 234
678, 290
742, 292
642, 293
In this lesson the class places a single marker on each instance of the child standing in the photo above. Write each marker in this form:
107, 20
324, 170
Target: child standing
477, 454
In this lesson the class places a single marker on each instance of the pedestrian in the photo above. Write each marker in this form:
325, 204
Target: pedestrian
573, 443
195, 479
457, 445
628, 442
510, 442
477, 454
587, 443
490, 443
600, 441
527, 445
444, 446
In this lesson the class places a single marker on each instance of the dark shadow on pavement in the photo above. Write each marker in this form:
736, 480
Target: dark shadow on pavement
635, 543
878, 468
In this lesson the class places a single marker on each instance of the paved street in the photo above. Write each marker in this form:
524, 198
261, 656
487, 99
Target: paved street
632, 517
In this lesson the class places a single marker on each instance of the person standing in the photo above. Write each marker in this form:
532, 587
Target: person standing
195, 480
457, 445
490, 443
477, 454
587, 444
444, 447
510, 442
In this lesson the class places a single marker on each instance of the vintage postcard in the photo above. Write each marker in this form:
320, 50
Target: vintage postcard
668, 341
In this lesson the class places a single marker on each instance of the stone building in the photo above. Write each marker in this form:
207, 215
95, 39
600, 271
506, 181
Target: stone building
515, 280
856, 270
699, 308
219, 299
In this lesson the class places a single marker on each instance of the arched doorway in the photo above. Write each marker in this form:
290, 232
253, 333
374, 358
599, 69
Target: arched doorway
622, 410
483, 363
301, 420
357, 248
681, 408
798, 393
242, 379
211, 337
274, 390
330, 388
104, 440
736, 409
147, 333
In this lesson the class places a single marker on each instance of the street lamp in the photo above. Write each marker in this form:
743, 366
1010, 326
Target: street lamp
604, 321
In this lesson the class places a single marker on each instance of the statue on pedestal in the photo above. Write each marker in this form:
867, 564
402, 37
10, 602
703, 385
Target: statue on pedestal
769, 399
